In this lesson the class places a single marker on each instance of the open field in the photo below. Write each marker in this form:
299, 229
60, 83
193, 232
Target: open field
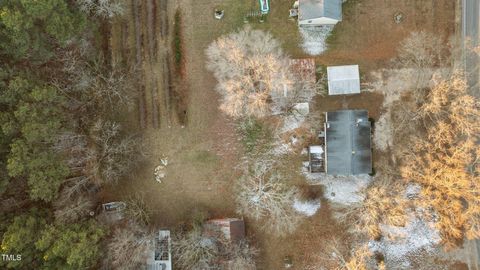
203, 155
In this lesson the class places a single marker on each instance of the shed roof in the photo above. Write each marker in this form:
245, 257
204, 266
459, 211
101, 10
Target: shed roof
343, 80
348, 143
313, 9
160, 257
232, 228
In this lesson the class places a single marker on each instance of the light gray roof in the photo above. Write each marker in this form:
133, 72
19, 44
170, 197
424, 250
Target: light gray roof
348, 144
312, 9
343, 80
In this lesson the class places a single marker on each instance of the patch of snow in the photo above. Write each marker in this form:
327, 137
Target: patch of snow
314, 38
281, 149
412, 190
342, 190
400, 244
301, 109
308, 208
292, 122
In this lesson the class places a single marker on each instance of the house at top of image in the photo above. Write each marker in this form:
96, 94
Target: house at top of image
345, 145
319, 12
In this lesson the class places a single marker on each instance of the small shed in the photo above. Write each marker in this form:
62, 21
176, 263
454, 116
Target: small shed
348, 148
233, 229
160, 257
319, 12
343, 80
316, 158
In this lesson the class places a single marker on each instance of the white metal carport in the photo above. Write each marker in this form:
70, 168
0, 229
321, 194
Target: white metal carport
343, 80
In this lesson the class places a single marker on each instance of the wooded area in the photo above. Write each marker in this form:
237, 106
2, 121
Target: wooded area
60, 97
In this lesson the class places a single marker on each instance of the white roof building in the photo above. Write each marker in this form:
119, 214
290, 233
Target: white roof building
343, 80
319, 12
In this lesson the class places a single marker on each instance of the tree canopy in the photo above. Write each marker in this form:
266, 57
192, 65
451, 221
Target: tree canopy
20, 237
32, 122
31, 29
48, 246
444, 160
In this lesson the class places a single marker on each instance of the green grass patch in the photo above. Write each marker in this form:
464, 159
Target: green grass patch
177, 40
256, 136
203, 156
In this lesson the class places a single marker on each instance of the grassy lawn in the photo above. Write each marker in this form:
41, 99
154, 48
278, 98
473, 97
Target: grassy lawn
277, 22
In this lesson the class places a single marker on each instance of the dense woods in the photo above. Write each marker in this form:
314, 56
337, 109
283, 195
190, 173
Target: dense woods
58, 132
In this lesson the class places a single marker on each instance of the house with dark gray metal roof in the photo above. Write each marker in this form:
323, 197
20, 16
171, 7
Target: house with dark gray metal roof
348, 148
319, 12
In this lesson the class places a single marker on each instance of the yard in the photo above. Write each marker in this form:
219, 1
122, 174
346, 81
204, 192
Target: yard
203, 154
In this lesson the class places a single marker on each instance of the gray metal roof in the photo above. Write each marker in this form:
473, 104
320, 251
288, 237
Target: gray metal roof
343, 80
312, 9
348, 142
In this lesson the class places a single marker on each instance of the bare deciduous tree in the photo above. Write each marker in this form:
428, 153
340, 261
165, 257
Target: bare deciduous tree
102, 8
251, 69
421, 52
196, 250
138, 210
193, 250
383, 204
263, 195
69, 211
92, 85
75, 149
114, 155
240, 255
442, 160
129, 247
113, 87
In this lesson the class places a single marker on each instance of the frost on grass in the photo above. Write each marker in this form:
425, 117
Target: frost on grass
314, 37
341, 190
308, 208
401, 245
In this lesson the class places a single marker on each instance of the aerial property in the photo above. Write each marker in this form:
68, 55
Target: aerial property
239, 135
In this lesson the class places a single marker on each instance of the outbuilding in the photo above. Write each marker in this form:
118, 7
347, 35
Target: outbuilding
160, 257
319, 12
343, 80
348, 148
